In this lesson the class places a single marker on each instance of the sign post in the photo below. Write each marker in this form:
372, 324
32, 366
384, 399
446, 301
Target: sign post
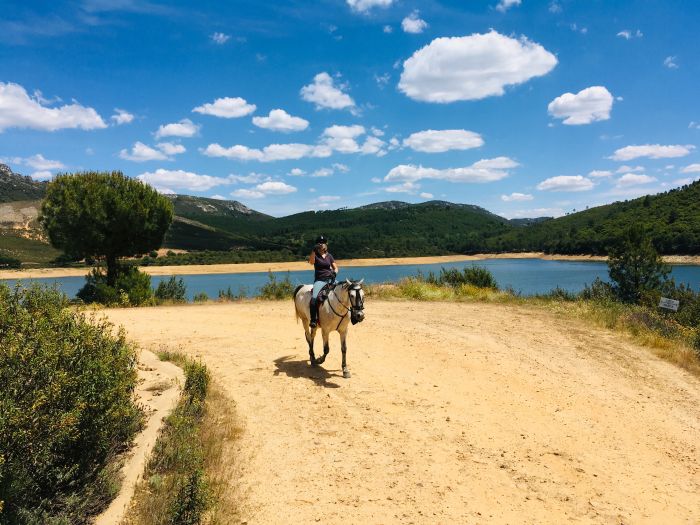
669, 304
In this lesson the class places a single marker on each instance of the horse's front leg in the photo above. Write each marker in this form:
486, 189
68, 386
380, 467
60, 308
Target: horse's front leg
343, 349
326, 347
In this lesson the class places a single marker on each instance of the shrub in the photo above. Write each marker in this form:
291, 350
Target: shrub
7, 261
474, 275
228, 295
274, 289
153, 254
66, 407
132, 283
598, 291
201, 297
559, 294
173, 289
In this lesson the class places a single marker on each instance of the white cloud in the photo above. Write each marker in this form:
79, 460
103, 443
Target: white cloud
322, 172
600, 173
566, 183
488, 170
652, 151
629, 169
631, 179
325, 94
38, 162
184, 128
555, 7
19, 110
434, 141
220, 38
472, 67
180, 179
226, 107
516, 197
588, 105
692, 168
41, 175
142, 153
121, 116
275, 188
504, 5
694, 125
248, 194
170, 148
297, 172
388, 29
270, 153
628, 34
413, 23
218, 197
670, 62
533, 213
280, 120
363, 6
426, 195
382, 80
251, 178
342, 168
344, 140
405, 187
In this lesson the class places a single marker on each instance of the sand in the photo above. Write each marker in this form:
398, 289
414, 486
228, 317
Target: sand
456, 413
210, 269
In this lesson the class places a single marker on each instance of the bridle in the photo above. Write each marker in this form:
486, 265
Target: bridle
354, 308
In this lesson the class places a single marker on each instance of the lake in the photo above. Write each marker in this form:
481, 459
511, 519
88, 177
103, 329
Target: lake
527, 276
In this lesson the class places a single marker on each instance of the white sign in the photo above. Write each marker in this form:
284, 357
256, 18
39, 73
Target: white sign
669, 304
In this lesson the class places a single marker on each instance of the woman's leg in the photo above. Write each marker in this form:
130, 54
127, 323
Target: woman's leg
318, 285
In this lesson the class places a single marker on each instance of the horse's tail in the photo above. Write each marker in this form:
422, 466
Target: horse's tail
294, 298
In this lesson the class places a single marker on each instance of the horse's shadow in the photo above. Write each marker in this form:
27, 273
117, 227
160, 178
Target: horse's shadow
301, 369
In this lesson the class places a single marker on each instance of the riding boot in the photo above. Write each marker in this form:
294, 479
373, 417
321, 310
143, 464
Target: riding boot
314, 313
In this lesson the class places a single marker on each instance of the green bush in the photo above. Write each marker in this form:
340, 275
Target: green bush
153, 254
474, 275
228, 295
66, 407
131, 287
173, 289
274, 289
201, 297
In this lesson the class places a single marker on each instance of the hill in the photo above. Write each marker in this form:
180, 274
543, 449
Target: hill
15, 187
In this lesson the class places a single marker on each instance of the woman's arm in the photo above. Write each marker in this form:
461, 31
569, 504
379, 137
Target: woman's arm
335, 267
312, 257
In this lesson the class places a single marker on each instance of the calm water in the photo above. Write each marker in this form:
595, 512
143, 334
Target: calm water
528, 276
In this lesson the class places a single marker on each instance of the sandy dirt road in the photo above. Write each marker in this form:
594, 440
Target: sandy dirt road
456, 413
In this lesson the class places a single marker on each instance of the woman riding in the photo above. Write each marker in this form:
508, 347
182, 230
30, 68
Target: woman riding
325, 270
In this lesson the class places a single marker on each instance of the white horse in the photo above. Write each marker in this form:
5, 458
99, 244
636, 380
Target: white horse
345, 305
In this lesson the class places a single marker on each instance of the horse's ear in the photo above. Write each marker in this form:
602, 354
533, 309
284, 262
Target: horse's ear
347, 283
361, 281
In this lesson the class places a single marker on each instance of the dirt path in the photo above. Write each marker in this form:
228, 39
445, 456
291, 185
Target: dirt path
456, 413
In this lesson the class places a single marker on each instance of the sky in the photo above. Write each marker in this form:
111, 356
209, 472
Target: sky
526, 108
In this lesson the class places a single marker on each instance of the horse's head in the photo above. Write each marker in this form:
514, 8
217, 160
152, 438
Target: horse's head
357, 300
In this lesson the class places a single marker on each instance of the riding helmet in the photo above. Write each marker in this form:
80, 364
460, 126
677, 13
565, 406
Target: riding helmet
321, 239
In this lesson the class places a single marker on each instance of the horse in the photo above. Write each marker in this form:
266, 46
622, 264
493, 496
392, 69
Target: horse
344, 298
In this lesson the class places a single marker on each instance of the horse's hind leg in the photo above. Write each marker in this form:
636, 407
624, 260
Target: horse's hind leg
343, 349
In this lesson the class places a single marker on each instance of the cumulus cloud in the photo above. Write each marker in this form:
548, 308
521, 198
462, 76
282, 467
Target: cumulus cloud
41, 175
600, 173
20, 110
269, 153
248, 194
37, 162
472, 67
487, 170
322, 172
516, 197
425, 195
184, 128
504, 5
325, 94
364, 6
180, 179
275, 188
651, 151
588, 105
388, 29
343, 139
405, 187
219, 38
629, 169
142, 153
121, 116
691, 168
413, 23
170, 148
342, 168
280, 120
632, 179
434, 141
566, 183
226, 107
297, 172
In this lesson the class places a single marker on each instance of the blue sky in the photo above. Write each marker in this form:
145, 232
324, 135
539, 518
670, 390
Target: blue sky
524, 107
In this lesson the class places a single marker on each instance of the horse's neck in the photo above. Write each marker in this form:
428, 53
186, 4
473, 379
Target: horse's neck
342, 294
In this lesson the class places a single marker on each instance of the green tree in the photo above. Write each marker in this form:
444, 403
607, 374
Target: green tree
104, 215
635, 266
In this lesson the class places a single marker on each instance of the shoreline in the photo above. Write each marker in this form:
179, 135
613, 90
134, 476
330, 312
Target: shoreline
213, 269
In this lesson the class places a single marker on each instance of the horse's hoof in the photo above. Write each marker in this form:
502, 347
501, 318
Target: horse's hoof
320, 360
314, 363
346, 374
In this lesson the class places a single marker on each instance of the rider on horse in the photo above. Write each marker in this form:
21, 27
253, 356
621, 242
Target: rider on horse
325, 270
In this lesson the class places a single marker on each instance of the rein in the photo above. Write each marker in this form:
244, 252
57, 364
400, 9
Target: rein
341, 304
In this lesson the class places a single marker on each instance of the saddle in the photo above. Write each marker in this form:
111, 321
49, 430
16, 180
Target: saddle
323, 294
